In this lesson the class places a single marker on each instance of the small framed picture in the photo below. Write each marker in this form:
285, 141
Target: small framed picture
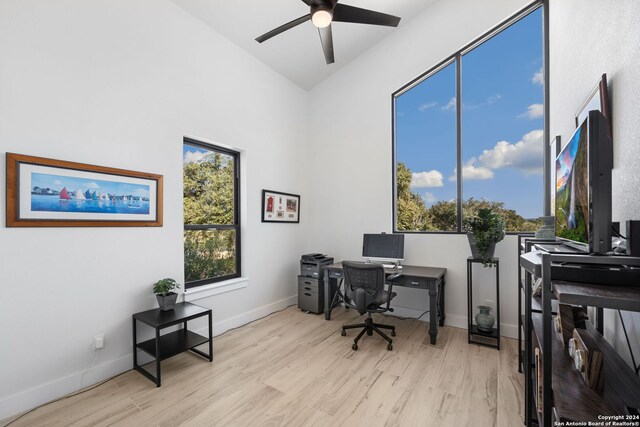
280, 207
598, 99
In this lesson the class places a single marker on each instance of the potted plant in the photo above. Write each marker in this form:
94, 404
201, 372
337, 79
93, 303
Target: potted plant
166, 298
484, 230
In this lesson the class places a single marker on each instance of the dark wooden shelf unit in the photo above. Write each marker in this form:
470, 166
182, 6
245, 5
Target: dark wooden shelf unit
173, 343
572, 399
615, 297
565, 395
525, 243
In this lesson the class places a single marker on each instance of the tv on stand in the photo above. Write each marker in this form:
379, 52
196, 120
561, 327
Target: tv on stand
583, 187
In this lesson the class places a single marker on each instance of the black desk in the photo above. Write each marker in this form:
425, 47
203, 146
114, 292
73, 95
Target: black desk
165, 346
428, 278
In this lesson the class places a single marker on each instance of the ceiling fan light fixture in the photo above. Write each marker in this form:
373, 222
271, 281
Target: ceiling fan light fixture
322, 16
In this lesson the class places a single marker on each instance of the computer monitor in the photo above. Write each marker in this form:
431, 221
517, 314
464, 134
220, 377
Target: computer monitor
383, 247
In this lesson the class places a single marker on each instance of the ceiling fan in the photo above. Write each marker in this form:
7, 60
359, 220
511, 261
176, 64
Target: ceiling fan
323, 12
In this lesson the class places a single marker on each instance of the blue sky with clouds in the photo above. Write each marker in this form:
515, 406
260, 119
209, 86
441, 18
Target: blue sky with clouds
502, 124
58, 182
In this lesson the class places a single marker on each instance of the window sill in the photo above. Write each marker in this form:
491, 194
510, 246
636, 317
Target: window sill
215, 289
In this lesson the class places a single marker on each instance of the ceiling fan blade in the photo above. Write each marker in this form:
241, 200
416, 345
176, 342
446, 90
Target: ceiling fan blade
308, 2
346, 13
283, 28
326, 38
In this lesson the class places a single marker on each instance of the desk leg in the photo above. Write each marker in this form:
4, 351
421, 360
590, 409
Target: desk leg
441, 293
328, 301
433, 311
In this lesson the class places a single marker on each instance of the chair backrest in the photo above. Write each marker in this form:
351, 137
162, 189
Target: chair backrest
363, 283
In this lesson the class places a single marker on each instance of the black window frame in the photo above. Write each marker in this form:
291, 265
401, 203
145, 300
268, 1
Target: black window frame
456, 58
235, 155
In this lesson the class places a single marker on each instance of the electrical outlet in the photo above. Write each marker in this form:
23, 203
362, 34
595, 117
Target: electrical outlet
98, 342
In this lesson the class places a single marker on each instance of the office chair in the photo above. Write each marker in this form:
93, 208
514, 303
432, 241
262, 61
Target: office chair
364, 291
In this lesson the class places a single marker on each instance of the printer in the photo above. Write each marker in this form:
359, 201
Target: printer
312, 265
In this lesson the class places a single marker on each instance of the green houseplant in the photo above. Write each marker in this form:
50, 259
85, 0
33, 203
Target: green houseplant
166, 298
484, 230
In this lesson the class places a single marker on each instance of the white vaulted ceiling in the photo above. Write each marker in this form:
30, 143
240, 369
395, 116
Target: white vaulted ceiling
297, 53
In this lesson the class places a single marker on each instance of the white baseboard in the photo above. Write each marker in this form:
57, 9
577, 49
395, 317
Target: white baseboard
242, 319
506, 330
32, 398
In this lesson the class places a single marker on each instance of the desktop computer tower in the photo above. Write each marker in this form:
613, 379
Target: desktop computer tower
311, 282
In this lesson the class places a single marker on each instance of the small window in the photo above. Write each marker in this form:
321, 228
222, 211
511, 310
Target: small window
211, 195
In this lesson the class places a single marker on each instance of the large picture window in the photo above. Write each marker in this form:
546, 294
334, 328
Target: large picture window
211, 213
469, 134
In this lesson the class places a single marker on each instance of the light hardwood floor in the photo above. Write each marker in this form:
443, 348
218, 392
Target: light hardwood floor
294, 369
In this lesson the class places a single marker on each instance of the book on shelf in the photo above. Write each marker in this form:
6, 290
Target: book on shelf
538, 380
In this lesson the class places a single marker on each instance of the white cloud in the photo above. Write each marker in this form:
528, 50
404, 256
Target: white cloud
488, 101
193, 156
538, 78
451, 105
432, 178
471, 171
91, 185
493, 99
140, 192
424, 107
534, 111
429, 198
525, 154
57, 182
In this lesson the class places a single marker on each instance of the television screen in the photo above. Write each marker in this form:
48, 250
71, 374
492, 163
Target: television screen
583, 187
572, 188
383, 246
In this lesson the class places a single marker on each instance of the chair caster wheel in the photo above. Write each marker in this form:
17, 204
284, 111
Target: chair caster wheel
389, 347
393, 333
343, 333
355, 346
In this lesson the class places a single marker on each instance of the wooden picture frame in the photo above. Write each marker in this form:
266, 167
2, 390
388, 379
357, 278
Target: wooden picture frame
37, 195
280, 207
598, 99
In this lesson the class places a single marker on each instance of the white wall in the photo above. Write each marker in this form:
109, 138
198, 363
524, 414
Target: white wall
118, 83
589, 38
350, 125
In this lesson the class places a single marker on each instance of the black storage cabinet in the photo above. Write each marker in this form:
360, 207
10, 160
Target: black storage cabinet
311, 284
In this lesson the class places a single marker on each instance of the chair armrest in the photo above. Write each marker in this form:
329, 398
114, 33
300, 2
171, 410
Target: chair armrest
389, 281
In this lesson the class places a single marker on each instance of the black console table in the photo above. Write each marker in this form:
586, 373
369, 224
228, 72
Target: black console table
165, 346
474, 334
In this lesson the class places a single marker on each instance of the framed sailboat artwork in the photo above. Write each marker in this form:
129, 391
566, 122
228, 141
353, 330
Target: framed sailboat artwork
45, 192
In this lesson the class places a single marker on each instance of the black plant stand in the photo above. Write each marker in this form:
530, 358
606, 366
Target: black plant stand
475, 335
165, 346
